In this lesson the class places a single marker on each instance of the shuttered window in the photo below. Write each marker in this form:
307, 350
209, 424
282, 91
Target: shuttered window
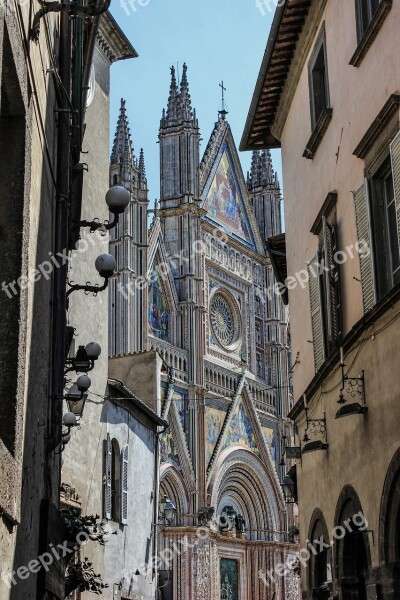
361, 203
395, 160
316, 310
325, 298
108, 478
377, 208
124, 484
333, 321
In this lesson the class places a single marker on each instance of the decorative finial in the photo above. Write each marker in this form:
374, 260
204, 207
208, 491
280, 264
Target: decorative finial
224, 109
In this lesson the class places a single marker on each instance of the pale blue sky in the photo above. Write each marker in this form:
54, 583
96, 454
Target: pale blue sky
218, 39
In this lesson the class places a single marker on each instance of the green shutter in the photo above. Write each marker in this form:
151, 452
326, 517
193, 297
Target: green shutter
361, 203
395, 154
316, 310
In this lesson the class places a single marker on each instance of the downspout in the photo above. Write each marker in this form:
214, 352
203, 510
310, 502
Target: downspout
170, 394
59, 319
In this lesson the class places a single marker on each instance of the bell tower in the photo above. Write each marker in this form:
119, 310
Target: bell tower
128, 244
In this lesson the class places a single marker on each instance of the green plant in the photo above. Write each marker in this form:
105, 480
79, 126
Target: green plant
80, 575
76, 523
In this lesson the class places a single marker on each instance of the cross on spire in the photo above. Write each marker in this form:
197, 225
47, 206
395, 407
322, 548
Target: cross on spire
223, 112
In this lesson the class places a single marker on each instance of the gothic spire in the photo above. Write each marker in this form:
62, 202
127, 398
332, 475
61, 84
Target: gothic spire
262, 170
122, 151
142, 169
186, 105
267, 173
173, 110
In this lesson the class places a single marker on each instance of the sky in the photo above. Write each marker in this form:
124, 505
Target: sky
220, 40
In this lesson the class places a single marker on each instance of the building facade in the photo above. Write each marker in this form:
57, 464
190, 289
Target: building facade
195, 334
327, 94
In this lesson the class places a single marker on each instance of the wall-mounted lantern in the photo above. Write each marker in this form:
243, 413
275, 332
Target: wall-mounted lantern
85, 358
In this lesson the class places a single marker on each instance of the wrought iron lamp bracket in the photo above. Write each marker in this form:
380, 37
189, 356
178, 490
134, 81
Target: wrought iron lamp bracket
354, 386
315, 427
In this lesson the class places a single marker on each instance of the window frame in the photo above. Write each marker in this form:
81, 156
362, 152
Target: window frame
320, 44
365, 37
384, 275
361, 28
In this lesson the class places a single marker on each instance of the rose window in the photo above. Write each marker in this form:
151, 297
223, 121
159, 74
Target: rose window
224, 320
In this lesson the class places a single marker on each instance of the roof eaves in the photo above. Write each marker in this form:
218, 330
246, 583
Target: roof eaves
290, 14
127, 393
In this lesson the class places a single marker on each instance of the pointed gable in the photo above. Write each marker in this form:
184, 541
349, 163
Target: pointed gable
241, 431
162, 300
224, 191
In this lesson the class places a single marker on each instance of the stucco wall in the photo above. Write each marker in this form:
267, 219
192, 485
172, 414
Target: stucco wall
357, 95
83, 456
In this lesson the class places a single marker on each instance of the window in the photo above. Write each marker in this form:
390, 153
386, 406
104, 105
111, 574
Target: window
318, 80
366, 10
324, 283
377, 206
116, 481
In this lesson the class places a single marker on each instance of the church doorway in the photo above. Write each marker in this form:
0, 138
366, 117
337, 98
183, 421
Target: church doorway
229, 579
390, 528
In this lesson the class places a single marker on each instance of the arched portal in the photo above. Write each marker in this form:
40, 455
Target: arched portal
389, 530
242, 481
320, 565
353, 556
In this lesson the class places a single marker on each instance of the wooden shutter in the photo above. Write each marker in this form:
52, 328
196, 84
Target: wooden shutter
361, 203
108, 478
124, 484
332, 291
395, 155
316, 311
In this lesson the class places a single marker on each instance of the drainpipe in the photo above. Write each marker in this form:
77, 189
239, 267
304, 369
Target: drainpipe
61, 233
170, 394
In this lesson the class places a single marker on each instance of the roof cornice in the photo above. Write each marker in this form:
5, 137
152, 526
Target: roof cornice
292, 33
112, 40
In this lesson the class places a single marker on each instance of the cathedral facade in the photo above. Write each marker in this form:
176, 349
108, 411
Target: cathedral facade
196, 290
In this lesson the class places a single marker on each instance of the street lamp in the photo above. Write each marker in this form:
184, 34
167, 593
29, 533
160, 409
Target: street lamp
84, 359
288, 487
76, 398
105, 265
167, 509
117, 199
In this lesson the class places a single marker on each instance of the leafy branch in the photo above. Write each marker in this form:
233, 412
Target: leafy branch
80, 575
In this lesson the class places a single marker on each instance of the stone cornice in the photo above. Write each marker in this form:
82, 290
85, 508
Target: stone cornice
318, 133
384, 117
176, 211
112, 40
